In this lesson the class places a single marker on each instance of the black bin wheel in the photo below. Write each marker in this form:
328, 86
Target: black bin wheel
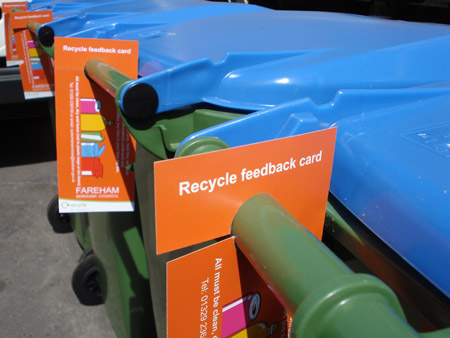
85, 283
59, 222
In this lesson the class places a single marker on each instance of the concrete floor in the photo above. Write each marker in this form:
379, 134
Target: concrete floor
36, 264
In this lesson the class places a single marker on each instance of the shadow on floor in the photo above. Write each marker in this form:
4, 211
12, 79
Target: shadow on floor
26, 134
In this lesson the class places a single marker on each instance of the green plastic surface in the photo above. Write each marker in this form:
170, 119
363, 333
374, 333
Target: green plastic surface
159, 141
106, 76
144, 167
50, 51
118, 245
163, 133
160, 134
80, 226
201, 145
326, 298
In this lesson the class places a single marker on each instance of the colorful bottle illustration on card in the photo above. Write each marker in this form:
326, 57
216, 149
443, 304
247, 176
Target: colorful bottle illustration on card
240, 313
90, 106
34, 50
257, 330
91, 166
37, 67
94, 122
91, 149
32, 44
92, 136
14, 47
37, 70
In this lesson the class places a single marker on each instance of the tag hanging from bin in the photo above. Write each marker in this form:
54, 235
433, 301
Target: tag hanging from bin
12, 58
36, 70
196, 197
94, 147
215, 292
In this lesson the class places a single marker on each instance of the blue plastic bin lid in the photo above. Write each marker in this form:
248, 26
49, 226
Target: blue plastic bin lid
384, 84
107, 18
63, 5
59, 8
392, 170
262, 59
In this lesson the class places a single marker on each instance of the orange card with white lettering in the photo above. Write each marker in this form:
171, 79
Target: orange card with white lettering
12, 58
215, 292
94, 147
36, 70
196, 197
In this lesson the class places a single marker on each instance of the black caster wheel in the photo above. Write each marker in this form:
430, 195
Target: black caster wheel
59, 222
85, 283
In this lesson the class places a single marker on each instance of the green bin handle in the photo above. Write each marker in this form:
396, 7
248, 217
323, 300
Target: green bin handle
326, 298
139, 101
200, 145
33, 26
44, 34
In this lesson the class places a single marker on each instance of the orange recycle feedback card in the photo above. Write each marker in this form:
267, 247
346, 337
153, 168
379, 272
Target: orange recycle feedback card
94, 147
36, 70
196, 197
215, 292
12, 58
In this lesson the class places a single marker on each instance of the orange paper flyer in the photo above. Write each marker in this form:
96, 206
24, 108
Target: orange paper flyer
36, 70
94, 147
215, 292
196, 197
12, 58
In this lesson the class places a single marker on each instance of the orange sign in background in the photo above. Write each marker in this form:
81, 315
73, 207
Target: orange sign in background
36, 70
94, 147
215, 292
196, 197
12, 58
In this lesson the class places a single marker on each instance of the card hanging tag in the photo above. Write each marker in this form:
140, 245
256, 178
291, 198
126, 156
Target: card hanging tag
93, 144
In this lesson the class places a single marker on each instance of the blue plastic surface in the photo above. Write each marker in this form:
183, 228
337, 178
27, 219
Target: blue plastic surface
69, 5
104, 19
249, 65
386, 87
